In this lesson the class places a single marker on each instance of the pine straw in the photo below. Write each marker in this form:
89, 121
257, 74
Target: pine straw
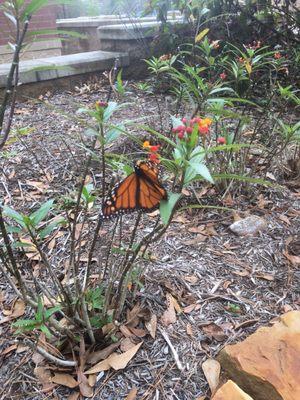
237, 283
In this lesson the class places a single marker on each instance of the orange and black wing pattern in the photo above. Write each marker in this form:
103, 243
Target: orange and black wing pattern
141, 190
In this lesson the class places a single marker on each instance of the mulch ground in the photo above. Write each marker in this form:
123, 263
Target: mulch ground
226, 286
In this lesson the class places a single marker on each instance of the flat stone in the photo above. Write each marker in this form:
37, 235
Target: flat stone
61, 66
267, 364
231, 391
132, 31
248, 226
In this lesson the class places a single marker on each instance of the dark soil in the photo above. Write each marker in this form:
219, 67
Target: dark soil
235, 283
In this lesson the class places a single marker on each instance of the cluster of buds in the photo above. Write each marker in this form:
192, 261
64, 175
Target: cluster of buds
165, 57
153, 149
188, 126
255, 45
277, 55
101, 104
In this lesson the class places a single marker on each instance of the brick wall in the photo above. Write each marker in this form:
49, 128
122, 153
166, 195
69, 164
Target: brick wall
44, 19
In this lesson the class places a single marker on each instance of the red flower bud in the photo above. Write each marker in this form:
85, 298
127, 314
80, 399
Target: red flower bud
184, 120
221, 140
155, 148
181, 135
189, 129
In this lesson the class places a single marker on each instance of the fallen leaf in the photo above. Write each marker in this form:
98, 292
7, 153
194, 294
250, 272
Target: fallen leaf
198, 239
267, 277
85, 389
115, 361
212, 369
126, 331
126, 344
169, 316
284, 218
138, 332
196, 229
92, 379
152, 325
102, 354
191, 279
64, 380
44, 377
73, 396
189, 308
294, 260
8, 349
244, 272
132, 394
17, 310
189, 329
214, 331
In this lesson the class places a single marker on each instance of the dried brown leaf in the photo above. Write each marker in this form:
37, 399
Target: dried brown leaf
152, 325
212, 369
126, 344
189, 329
191, 279
132, 394
169, 316
267, 277
294, 260
115, 361
138, 332
214, 331
44, 377
64, 380
96, 356
85, 389
73, 396
17, 310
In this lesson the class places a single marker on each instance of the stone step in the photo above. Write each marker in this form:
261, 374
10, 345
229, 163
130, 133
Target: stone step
39, 70
231, 391
267, 363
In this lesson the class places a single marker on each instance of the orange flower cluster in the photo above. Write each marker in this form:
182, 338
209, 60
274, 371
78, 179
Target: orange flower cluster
187, 127
153, 149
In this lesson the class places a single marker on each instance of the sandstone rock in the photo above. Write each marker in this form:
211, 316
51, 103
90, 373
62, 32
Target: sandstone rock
248, 226
267, 364
231, 391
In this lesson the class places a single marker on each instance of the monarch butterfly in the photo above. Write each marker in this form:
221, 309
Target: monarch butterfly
141, 190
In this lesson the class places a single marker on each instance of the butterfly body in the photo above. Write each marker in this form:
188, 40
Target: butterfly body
140, 190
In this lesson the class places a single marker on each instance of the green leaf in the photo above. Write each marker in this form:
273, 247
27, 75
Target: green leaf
109, 110
202, 170
57, 32
10, 213
33, 7
167, 206
38, 216
51, 311
46, 331
113, 134
49, 228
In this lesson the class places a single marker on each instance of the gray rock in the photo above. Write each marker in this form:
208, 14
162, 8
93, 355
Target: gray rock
248, 226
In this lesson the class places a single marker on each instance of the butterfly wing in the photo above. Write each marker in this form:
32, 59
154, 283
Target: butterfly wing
150, 190
141, 190
123, 197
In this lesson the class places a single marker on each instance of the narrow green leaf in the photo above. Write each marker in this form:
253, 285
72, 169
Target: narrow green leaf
38, 216
167, 206
202, 170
